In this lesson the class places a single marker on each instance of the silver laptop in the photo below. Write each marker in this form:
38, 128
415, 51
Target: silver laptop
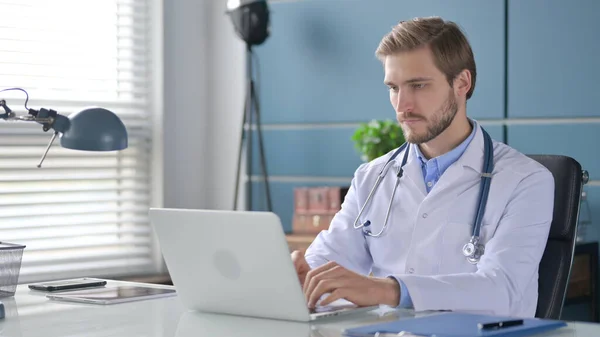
235, 262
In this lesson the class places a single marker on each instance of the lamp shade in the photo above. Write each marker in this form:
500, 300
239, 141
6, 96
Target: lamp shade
94, 129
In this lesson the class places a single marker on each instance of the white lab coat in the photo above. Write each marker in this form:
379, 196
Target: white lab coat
422, 244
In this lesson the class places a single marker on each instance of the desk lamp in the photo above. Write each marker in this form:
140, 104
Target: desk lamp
91, 129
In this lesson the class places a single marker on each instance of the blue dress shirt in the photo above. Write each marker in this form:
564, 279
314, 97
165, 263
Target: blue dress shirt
432, 171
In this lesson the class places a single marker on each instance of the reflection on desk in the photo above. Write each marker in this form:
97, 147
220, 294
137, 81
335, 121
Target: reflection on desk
205, 324
31, 314
210, 324
192, 324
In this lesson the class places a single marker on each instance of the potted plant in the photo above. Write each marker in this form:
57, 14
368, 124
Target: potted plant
377, 137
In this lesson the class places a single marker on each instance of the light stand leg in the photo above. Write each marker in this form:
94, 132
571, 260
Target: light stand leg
261, 149
246, 140
251, 110
243, 135
249, 132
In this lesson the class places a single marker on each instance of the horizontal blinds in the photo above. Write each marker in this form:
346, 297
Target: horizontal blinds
83, 213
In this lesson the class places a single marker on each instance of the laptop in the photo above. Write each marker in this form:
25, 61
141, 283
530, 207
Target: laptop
235, 262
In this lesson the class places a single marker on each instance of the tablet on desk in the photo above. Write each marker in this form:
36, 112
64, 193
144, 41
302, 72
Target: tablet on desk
62, 285
112, 295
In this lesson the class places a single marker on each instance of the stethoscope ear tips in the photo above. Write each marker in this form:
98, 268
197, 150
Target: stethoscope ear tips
367, 223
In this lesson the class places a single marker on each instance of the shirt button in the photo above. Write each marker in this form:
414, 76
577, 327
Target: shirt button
429, 184
411, 270
424, 215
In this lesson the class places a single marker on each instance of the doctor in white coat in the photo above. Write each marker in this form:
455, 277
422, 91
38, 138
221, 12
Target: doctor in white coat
417, 260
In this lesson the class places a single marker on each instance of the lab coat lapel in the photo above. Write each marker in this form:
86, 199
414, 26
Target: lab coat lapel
414, 173
473, 155
467, 168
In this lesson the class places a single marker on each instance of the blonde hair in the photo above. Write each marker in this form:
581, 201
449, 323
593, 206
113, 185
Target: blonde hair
451, 50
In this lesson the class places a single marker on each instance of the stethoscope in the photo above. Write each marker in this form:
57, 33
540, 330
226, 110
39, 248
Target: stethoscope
473, 250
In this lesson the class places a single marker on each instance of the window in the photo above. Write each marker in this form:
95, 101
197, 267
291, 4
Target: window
82, 213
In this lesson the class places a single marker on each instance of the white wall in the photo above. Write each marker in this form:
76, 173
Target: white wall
204, 94
185, 103
227, 93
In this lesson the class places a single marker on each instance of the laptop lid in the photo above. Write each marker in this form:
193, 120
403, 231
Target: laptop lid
233, 262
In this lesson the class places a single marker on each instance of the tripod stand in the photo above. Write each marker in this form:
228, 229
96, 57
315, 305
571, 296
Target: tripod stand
251, 110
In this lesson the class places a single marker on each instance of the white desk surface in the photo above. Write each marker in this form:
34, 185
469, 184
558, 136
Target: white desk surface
30, 313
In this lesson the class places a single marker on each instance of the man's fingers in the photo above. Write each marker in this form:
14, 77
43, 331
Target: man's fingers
302, 278
324, 286
300, 264
314, 276
311, 274
334, 296
297, 258
312, 283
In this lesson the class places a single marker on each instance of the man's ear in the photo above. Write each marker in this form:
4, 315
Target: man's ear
462, 83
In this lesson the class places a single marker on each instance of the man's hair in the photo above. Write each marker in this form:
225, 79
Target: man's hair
451, 50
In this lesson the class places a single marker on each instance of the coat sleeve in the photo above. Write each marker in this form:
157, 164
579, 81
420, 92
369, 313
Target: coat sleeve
510, 261
341, 242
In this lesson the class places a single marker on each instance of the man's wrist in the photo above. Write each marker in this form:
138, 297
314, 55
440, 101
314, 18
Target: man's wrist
390, 292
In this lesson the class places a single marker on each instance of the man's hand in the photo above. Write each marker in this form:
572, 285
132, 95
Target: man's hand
343, 283
302, 267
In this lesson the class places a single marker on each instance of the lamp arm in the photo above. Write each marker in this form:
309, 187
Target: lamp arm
49, 119
59, 124
7, 111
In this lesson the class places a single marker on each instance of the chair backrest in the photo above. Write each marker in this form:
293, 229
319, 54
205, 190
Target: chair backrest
555, 266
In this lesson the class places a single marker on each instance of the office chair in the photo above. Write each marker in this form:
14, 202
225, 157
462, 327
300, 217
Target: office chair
555, 266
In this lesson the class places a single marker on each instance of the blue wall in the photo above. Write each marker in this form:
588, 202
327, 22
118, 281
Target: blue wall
536, 89
318, 78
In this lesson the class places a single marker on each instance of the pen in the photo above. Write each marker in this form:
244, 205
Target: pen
499, 325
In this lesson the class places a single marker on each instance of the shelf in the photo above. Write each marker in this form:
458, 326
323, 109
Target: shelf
300, 238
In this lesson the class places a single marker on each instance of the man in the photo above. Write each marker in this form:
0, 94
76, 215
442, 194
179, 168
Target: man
417, 261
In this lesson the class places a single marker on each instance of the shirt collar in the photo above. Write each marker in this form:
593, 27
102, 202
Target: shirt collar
445, 160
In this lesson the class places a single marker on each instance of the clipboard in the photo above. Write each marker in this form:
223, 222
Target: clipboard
456, 325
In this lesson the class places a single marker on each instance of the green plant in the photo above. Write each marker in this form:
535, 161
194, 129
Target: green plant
377, 138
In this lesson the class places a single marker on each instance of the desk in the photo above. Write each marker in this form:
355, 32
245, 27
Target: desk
30, 314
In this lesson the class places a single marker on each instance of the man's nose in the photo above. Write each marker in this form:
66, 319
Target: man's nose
404, 101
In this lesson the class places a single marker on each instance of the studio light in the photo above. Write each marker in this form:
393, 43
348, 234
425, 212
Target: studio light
250, 19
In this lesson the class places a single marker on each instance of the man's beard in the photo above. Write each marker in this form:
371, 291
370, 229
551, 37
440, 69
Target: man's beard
439, 122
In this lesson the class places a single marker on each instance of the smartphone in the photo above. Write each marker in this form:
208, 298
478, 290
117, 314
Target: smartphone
67, 284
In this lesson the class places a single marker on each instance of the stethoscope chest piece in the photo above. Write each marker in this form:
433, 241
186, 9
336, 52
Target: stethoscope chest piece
473, 250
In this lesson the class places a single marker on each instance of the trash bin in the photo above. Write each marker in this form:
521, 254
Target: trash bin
10, 265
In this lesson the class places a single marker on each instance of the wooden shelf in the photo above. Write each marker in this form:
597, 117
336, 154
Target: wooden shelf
299, 241
300, 238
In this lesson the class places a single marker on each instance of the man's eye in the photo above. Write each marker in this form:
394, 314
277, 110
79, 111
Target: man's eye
394, 89
418, 85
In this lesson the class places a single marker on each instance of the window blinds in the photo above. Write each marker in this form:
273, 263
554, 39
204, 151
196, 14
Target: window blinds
82, 213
